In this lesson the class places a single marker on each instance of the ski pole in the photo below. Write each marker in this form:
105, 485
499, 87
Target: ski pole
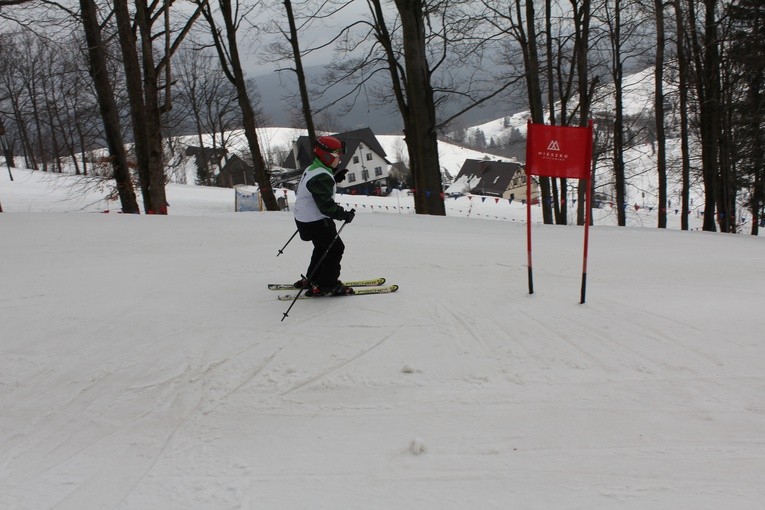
285, 244
316, 267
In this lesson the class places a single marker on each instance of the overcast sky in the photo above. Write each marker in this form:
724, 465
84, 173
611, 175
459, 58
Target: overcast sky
253, 43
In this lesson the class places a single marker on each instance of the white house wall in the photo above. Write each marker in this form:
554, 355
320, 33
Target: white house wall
354, 177
517, 188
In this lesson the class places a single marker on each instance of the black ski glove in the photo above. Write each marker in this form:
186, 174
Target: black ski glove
340, 175
349, 215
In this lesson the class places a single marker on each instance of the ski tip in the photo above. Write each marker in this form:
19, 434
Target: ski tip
393, 288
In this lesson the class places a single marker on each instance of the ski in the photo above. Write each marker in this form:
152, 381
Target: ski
357, 292
375, 282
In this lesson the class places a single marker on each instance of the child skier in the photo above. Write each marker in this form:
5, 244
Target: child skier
315, 209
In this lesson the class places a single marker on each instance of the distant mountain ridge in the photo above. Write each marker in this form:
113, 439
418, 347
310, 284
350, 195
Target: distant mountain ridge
279, 88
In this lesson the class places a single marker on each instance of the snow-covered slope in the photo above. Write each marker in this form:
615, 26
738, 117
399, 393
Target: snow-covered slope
143, 364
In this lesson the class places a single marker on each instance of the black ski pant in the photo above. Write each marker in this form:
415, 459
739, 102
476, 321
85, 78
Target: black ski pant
321, 233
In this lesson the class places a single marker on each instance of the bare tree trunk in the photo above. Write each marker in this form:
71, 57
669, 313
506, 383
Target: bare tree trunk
302, 86
745, 74
38, 126
758, 157
108, 107
233, 68
582, 32
398, 79
20, 126
49, 105
135, 94
683, 90
528, 41
617, 73
726, 201
153, 118
6, 149
661, 155
420, 136
758, 195
142, 81
708, 90
561, 205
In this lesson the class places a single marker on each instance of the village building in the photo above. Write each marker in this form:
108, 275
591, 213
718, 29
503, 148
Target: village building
219, 168
493, 179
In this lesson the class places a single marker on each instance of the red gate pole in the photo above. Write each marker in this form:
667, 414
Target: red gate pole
528, 231
588, 213
528, 205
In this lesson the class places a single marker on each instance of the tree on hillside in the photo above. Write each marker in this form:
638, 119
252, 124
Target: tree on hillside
419, 113
518, 20
582, 18
560, 65
294, 53
747, 45
227, 46
658, 101
533, 64
108, 106
407, 59
66, 97
554, 56
479, 139
613, 21
48, 99
683, 79
20, 86
146, 80
705, 53
624, 31
209, 100
404, 58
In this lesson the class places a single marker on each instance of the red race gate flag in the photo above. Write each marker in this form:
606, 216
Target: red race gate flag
559, 151
564, 152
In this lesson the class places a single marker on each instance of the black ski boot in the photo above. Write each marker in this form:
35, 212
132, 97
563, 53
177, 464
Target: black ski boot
339, 290
302, 283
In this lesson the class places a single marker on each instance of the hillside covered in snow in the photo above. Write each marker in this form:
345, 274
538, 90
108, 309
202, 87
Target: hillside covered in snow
144, 364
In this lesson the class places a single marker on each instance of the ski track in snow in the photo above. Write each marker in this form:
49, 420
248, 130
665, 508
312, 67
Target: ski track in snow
353, 356
172, 382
